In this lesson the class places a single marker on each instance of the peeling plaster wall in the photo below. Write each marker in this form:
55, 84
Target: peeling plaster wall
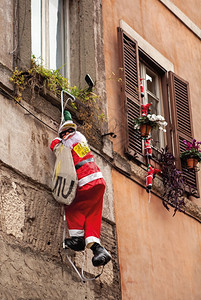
12, 211
33, 263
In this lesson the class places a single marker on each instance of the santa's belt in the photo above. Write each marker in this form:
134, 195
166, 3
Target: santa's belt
80, 164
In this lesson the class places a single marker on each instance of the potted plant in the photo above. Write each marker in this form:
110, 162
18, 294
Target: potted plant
148, 122
192, 155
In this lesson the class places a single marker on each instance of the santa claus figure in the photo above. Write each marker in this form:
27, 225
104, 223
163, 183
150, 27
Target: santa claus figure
146, 109
151, 174
147, 148
141, 88
84, 214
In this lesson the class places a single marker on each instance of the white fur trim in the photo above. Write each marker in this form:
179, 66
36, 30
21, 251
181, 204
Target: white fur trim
91, 239
66, 125
77, 137
76, 232
57, 138
89, 178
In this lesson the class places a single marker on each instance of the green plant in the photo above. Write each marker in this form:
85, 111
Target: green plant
38, 77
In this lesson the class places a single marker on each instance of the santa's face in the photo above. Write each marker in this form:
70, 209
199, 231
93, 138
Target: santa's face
67, 133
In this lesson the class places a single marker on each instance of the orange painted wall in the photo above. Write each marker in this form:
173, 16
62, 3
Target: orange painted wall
191, 9
159, 256
159, 27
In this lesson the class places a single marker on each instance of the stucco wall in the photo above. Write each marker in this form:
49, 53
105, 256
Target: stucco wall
33, 263
159, 255
158, 26
190, 9
168, 35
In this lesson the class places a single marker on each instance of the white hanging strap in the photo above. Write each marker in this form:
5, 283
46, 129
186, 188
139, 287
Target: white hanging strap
149, 196
82, 276
64, 236
74, 267
64, 231
82, 271
71, 97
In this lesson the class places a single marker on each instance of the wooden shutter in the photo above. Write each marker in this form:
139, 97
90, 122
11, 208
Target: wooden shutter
182, 125
130, 91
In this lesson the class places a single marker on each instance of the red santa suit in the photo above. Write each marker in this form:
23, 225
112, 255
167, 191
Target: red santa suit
147, 148
145, 109
149, 178
85, 212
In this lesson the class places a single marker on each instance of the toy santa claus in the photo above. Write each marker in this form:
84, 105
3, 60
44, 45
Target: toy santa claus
147, 148
150, 176
84, 214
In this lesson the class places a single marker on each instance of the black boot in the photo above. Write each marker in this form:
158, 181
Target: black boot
75, 243
101, 256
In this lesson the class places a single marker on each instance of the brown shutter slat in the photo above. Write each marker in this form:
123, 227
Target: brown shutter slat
134, 138
182, 125
130, 91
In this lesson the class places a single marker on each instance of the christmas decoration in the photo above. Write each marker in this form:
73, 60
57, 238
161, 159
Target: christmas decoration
145, 123
147, 148
141, 87
84, 214
146, 109
151, 175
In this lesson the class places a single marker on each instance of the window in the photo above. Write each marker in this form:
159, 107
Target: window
168, 93
50, 33
151, 82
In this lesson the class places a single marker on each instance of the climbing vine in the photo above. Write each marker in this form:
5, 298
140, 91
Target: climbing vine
173, 181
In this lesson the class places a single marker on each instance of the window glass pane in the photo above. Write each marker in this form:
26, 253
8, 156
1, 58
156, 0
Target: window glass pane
151, 82
154, 105
36, 27
54, 19
50, 33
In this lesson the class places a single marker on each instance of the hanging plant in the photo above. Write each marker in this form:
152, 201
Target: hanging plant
192, 155
151, 121
173, 181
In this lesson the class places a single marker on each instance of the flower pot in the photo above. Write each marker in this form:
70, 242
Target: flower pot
192, 163
145, 130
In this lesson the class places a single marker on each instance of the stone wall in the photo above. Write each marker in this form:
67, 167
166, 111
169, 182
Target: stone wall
33, 263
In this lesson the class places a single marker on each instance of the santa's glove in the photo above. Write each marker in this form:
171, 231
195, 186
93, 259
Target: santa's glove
55, 142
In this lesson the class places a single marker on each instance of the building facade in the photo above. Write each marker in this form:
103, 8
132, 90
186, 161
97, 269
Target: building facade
158, 41
154, 255
33, 263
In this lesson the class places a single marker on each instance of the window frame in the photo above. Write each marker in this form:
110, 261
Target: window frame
45, 36
168, 98
157, 96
